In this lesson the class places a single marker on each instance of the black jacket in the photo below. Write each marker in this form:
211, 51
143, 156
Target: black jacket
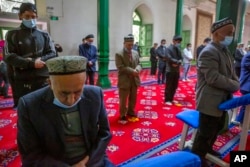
23, 46
174, 57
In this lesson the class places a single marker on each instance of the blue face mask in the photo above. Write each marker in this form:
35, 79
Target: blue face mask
29, 23
227, 41
178, 45
59, 104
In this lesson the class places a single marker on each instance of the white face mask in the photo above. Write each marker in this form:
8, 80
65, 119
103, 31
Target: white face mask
227, 41
59, 104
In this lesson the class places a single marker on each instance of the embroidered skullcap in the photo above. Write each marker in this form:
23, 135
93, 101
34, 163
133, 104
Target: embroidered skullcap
27, 7
221, 23
129, 38
89, 36
177, 38
63, 65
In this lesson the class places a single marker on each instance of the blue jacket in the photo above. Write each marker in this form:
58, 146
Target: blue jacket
245, 73
90, 52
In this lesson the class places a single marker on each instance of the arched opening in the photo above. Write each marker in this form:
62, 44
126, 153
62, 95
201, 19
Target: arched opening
136, 25
186, 31
143, 31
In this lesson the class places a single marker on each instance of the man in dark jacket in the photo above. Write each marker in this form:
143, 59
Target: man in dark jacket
238, 55
174, 60
202, 46
26, 50
161, 52
153, 59
89, 51
64, 124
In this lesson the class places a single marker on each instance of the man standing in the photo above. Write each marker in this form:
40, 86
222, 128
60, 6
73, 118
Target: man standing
238, 55
202, 46
174, 60
153, 59
64, 124
217, 82
136, 47
26, 50
89, 51
187, 58
244, 84
128, 66
161, 53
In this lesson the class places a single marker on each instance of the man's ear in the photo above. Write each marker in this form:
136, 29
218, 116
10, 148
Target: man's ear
49, 82
20, 17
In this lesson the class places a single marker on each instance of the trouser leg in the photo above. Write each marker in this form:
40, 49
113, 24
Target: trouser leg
172, 79
207, 133
123, 95
132, 99
92, 78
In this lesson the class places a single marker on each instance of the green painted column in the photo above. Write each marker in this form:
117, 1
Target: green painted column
179, 17
235, 9
242, 16
103, 44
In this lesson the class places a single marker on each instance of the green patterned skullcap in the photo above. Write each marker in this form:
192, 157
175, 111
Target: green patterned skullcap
63, 65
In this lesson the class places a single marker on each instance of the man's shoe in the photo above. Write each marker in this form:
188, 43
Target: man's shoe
175, 102
133, 119
123, 120
169, 103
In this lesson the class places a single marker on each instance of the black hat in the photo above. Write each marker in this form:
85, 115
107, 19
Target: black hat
221, 23
129, 38
27, 7
89, 36
177, 38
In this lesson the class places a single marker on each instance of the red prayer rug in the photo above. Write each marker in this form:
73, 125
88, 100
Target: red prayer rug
157, 132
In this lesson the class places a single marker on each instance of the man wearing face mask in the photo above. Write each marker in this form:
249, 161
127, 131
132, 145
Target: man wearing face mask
26, 50
64, 124
89, 51
238, 55
161, 52
187, 58
174, 60
216, 83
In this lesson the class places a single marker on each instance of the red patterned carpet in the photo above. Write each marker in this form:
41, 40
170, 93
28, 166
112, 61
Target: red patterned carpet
154, 134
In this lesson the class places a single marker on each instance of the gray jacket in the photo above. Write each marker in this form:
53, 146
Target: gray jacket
217, 80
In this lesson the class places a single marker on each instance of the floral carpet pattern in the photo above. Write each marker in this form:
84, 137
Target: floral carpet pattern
156, 133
